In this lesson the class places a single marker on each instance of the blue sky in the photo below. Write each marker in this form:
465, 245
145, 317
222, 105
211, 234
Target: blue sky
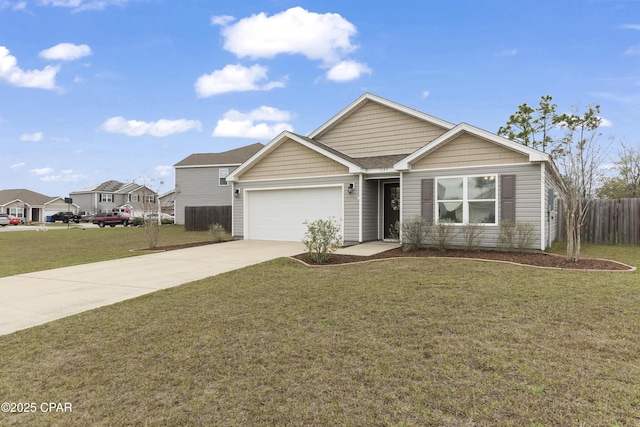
93, 90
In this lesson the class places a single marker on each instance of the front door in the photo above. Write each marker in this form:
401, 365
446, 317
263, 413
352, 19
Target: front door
391, 209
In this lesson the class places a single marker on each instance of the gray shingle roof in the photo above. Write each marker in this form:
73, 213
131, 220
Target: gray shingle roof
231, 157
27, 196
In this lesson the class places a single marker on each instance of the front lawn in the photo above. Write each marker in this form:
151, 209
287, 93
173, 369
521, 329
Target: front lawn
397, 342
27, 251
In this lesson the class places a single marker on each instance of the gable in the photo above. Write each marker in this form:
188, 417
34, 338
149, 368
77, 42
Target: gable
374, 129
292, 160
468, 150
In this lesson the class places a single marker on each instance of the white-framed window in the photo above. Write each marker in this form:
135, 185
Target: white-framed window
222, 176
134, 197
149, 198
106, 197
18, 212
467, 199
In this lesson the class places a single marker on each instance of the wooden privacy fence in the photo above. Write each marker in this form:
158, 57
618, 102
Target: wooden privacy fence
608, 222
200, 218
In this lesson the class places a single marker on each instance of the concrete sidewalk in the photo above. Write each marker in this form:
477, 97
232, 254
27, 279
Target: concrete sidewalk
32, 299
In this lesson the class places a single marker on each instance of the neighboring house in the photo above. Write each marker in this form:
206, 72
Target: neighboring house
32, 206
168, 202
201, 178
377, 163
132, 198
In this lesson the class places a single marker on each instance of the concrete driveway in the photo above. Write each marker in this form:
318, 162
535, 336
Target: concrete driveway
32, 299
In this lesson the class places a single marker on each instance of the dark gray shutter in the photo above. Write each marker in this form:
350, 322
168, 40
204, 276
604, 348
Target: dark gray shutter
427, 200
508, 197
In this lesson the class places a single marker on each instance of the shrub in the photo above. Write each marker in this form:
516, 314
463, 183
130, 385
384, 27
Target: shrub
516, 236
322, 239
394, 230
218, 233
414, 233
472, 234
441, 235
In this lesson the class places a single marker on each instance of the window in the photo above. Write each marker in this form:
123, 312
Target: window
134, 197
106, 198
18, 212
471, 199
222, 175
149, 198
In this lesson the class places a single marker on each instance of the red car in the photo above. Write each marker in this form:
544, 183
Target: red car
14, 220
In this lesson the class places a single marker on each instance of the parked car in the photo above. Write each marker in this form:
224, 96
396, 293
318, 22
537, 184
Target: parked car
65, 217
111, 219
4, 220
165, 218
14, 220
87, 217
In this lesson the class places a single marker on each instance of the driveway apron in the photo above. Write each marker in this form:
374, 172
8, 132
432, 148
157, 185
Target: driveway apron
32, 299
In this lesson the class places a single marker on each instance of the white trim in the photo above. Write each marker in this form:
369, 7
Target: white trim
360, 211
208, 166
465, 199
293, 178
461, 168
245, 213
543, 208
387, 103
279, 140
534, 155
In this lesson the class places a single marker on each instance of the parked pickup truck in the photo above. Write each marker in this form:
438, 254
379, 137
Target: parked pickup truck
111, 219
65, 217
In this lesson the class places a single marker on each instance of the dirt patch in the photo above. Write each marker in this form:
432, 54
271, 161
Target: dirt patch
173, 247
532, 259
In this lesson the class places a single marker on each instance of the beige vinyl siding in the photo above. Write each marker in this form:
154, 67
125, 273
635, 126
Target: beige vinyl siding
377, 130
199, 186
351, 202
528, 187
370, 209
292, 160
468, 150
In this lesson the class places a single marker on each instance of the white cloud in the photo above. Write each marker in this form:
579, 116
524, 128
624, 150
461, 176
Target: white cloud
507, 52
31, 137
66, 52
222, 20
234, 78
14, 75
235, 124
162, 127
325, 37
66, 175
42, 171
629, 27
425, 93
347, 70
19, 5
18, 165
164, 170
80, 5
633, 50
604, 123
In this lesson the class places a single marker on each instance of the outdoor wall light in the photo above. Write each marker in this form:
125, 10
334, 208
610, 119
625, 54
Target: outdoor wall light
351, 187
236, 192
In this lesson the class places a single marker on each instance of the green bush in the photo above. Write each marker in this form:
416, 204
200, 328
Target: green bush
414, 233
472, 234
516, 236
322, 239
441, 235
218, 233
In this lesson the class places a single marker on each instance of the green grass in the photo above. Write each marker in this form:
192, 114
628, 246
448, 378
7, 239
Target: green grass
399, 342
27, 251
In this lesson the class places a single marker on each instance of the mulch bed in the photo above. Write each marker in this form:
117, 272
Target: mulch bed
537, 259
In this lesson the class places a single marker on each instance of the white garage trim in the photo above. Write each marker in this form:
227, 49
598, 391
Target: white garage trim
297, 203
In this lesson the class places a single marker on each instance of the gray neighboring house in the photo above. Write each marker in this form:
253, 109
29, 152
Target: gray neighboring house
378, 163
201, 178
115, 196
32, 206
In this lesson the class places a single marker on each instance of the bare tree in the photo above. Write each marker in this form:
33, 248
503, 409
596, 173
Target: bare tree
579, 162
627, 184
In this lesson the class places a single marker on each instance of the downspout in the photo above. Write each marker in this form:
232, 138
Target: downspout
401, 206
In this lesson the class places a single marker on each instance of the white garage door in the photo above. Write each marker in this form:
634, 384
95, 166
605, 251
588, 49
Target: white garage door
280, 214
